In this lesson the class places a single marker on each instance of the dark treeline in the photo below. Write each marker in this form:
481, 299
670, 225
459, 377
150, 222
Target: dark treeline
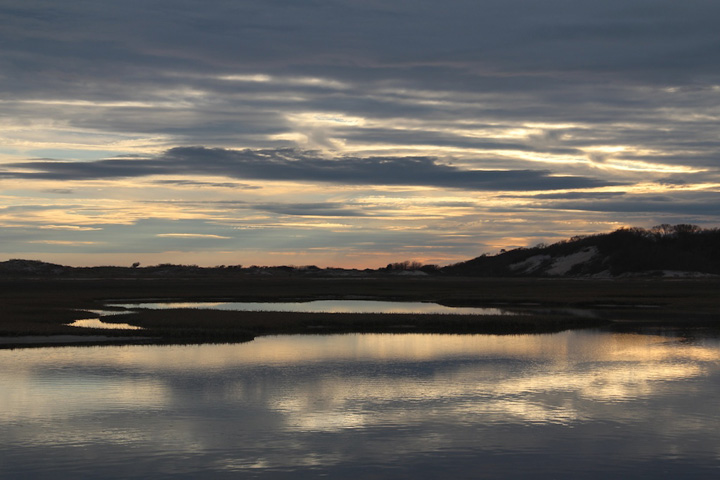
686, 248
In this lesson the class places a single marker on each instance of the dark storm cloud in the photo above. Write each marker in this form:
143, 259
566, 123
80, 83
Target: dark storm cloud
490, 61
417, 43
296, 165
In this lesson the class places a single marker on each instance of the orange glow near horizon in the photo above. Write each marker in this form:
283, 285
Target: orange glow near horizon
215, 220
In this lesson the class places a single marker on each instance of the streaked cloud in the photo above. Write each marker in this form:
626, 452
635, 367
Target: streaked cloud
190, 235
298, 166
457, 128
63, 242
74, 228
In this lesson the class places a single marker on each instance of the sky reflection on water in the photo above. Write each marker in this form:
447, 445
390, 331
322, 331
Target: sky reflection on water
367, 406
326, 306
97, 323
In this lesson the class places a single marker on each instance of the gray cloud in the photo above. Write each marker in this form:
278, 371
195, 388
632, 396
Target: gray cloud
571, 195
503, 44
323, 209
688, 204
611, 36
295, 165
60, 191
627, 70
327, 209
686, 209
415, 137
195, 183
490, 95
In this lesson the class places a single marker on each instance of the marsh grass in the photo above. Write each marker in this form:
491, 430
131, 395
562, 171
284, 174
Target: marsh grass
46, 306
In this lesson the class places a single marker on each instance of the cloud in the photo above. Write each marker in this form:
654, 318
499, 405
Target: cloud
195, 183
60, 191
301, 166
326, 209
317, 209
233, 73
74, 228
671, 207
191, 235
678, 203
510, 110
570, 195
64, 242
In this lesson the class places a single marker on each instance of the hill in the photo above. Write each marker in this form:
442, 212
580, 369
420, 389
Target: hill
665, 250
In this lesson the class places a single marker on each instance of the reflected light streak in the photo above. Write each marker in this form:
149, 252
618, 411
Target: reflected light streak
455, 387
288, 350
97, 323
470, 391
34, 395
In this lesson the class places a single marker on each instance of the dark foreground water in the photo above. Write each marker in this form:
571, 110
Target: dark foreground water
570, 405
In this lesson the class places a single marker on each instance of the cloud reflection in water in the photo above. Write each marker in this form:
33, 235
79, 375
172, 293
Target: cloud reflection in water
363, 405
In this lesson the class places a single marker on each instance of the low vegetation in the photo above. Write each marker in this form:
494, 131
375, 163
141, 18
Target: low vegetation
684, 250
660, 251
554, 287
546, 305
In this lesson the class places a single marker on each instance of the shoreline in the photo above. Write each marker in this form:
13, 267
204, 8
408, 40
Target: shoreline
38, 311
39, 341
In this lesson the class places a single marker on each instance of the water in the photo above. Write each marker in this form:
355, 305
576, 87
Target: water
97, 323
325, 306
574, 404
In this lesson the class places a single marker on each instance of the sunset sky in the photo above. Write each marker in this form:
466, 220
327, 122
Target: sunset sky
349, 133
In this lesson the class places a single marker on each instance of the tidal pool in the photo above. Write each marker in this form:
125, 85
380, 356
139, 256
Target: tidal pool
97, 323
324, 306
578, 404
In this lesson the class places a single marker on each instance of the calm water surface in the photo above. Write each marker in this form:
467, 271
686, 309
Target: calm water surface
325, 306
571, 405
97, 323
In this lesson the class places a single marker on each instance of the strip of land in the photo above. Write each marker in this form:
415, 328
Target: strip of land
43, 308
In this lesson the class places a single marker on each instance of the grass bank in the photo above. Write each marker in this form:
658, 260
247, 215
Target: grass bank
43, 307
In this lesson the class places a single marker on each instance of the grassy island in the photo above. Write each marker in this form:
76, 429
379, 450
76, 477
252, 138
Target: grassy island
44, 308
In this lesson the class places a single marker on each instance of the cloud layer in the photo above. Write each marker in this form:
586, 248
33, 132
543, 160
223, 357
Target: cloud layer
546, 118
298, 166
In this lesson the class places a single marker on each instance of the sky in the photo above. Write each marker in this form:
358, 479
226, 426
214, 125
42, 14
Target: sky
350, 133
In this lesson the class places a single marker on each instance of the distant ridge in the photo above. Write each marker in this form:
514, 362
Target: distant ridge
681, 251
31, 267
665, 250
